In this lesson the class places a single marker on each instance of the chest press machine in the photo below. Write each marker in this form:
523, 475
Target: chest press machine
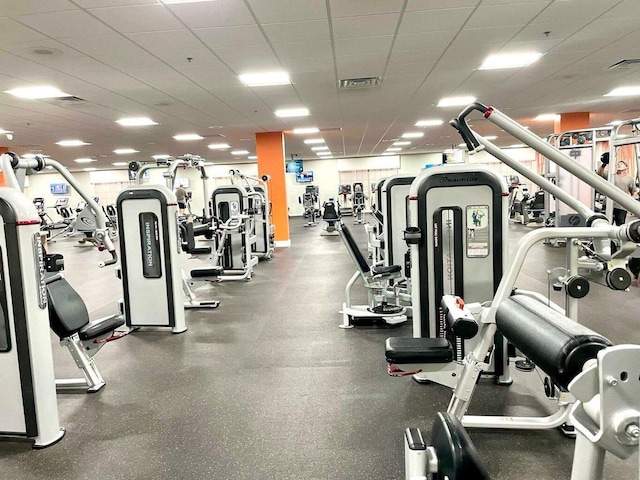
586, 373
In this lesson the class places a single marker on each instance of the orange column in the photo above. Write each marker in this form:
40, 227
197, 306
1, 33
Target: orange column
270, 152
3, 183
571, 121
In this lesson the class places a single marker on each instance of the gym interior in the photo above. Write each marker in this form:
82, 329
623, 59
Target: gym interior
319, 239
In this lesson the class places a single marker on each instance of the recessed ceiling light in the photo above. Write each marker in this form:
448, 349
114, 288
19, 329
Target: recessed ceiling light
120, 164
36, 93
292, 112
462, 145
429, 123
398, 144
304, 131
456, 101
388, 153
616, 123
219, 146
394, 149
240, 152
89, 169
136, 122
326, 157
162, 156
187, 136
323, 154
509, 60
124, 151
3, 131
413, 135
623, 92
313, 141
252, 157
316, 149
85, 160
490, 137
517, 145
71, 143
265, 79
547, 117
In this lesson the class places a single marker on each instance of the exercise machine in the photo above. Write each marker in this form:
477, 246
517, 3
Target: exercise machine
309, 201
330, 217
358, 200
345, 192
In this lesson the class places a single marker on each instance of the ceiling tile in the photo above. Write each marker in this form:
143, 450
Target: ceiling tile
289, 10
506, 15
126, 62
434, 20
558, 31
21, 7
357, 66
221, 13
353, 8
408, 68
415, 56
237, 36
185, 58
113, 44
626, 9
365, 26
414, 5
254, 57
306, 50
588, 10
166, 41
140, 18
363, 45
312, 31
13, 33
424, 41
302, 65
113, 3
65, 24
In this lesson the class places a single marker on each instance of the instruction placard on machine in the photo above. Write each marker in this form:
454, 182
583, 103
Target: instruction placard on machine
477, 231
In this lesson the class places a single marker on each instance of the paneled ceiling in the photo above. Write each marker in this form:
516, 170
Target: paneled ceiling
179, 64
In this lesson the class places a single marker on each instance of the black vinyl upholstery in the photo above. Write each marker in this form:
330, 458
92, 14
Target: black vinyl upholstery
207, 272
329, 212
557, 344
399, 350
101, 327
352, 246
67, 311
458, 458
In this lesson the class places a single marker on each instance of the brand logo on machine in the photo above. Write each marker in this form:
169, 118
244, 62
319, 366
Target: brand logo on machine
450, 179
38, 252
150, 244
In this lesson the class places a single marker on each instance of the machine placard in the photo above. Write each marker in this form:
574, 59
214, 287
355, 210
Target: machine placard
477, 231
5, 344
150, 238
38, 255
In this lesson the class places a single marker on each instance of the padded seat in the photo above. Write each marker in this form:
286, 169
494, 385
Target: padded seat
401, 350
100, 327
200, 251
207, 272
388, 270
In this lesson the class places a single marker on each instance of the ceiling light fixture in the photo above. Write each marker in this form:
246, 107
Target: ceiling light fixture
398, 144
429, 123
305, 131
517, 145
89, 169
124, 151
240, 152
252, 157
292, 112
323, 154
187, 136
623, 92
136, 122
120, 164
219, 146
547, 117
317, 149
388, 153
85, 160
394, 149
509, 60
265, 79
71, 143
490, 137
456, 101
413, 135
37, 93
313, 141
162, 156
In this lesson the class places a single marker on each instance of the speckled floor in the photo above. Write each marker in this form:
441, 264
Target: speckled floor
268, 387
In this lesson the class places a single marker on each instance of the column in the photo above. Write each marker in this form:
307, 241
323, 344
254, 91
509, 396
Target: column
571, 121
271, 161
2, 181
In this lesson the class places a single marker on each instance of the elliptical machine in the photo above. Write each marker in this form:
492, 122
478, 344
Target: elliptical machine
357, 201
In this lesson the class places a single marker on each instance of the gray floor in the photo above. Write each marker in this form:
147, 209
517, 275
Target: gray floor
268, 387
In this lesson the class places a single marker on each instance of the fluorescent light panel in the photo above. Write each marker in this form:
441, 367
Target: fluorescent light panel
124, 151
313, 141
413, 135
136, 122
71, 143
265, 79
187, 136
623, 92
398, 144
509, 60
240, 152
162, 156
36, 93
89, 169
323, 154
429, 123
394, 149
3, 131
252, 157
456, 101
85, 160
490, 137
316, 149
219, 146
547, 117
305, 131
292, 112
120, 164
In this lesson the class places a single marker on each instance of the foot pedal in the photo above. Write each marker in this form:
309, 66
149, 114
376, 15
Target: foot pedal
525, 365
386, 309
567, 430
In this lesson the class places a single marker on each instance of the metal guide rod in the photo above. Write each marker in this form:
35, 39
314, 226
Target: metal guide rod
562, 160
538, 179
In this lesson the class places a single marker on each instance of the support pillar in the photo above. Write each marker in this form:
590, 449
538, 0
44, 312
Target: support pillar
271, 161
571, 121
3, 182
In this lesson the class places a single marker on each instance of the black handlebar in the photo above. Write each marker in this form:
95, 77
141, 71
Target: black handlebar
114, 259
461, 125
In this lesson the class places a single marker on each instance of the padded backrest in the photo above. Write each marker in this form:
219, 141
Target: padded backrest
538, 201
458, 458
188, 238
329, 212
67, 311
353, 249
555, 343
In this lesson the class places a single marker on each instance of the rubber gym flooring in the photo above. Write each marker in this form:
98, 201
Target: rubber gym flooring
268, 387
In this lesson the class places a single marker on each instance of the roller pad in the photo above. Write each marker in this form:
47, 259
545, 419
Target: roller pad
382, 270
100, 327
399, 350
555, 343
207, 272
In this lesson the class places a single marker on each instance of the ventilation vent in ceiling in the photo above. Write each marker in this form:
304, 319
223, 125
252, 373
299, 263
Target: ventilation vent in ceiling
67, 101
364, 82
626, 63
